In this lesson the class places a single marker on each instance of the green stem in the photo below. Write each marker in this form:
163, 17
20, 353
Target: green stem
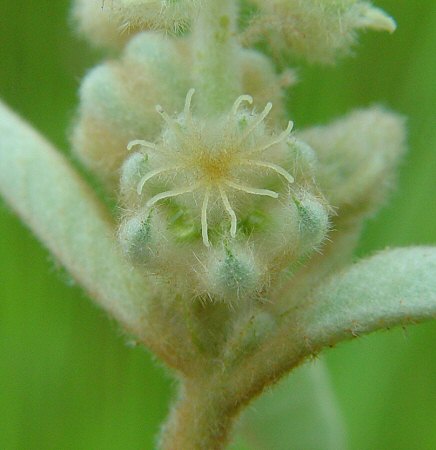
201, 419
217, 76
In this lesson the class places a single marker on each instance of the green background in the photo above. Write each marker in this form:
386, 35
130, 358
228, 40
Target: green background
67, 378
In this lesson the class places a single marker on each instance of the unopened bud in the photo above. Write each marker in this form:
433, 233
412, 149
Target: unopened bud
94, 23
319, 31
358, 156
313, 222
117, 103
140, 15
112, 23
232, 274
135, 236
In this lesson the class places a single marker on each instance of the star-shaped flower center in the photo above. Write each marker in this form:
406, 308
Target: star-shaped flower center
212, 161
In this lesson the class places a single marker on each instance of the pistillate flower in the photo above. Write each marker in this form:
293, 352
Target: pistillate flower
210, 159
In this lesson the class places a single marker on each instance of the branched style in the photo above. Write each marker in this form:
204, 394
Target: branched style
215, 177
212, 160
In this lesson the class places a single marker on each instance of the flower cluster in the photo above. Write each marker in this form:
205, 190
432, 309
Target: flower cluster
221, 203
225, 181
218, 202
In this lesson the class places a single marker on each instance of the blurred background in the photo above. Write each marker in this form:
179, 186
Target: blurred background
67, 378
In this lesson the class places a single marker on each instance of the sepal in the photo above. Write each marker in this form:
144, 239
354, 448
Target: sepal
232, 273
358, 157
318, 31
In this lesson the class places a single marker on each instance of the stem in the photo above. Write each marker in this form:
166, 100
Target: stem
200, 420
216, 70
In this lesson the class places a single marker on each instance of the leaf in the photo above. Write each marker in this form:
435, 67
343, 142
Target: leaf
359, 156
394, 287
41, 186
299, 413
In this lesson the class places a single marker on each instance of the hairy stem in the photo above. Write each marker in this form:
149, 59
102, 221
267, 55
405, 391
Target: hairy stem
216, 73
201, 419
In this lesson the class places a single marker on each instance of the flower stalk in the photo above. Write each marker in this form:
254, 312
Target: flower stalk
216, 72
198, 420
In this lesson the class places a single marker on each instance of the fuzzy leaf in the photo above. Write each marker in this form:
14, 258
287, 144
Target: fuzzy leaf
394, 287
40, 185
359, 155
285, 417
317, 30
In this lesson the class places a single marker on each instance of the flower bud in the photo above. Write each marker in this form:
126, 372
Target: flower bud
232, 273
295, 227
112, 23
313, 221
319, 31
118, 103
93, 23
169, 15
278, 241
135, 236
358, 156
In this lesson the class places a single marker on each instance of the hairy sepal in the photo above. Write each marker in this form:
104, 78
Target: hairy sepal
318, 31
358, 157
